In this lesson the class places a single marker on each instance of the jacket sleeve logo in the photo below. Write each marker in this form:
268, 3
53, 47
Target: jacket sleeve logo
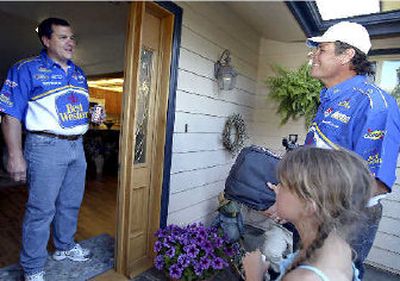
328, 112
5, 99
374, 134
345, 104
10, 83
341, 117
374, 159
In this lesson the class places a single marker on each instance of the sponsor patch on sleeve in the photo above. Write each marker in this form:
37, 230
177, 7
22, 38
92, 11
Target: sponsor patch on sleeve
341, 117
374, 134
374, 159
10, 83
345, 104
5, 99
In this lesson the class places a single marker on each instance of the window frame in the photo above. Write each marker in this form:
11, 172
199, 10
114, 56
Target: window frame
378, 60
307, 15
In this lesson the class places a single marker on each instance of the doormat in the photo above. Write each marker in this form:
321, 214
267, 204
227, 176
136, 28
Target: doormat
102, 248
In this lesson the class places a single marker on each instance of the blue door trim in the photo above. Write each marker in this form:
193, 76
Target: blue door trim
176, 43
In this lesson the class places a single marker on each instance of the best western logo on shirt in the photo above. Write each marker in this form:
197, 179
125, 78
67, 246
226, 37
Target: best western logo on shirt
72, 109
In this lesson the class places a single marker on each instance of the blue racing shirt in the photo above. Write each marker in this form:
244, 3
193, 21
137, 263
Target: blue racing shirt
361, 117
44, 97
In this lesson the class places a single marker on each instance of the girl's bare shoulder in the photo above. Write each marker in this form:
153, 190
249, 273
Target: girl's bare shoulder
301, 274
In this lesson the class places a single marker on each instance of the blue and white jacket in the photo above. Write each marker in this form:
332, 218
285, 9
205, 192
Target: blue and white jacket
40, 94
361, 117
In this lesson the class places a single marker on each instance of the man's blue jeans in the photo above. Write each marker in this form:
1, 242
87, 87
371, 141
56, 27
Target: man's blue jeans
365, 236
56, 182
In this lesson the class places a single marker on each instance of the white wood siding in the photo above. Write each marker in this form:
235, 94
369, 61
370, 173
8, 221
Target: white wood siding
385, 252
200, 164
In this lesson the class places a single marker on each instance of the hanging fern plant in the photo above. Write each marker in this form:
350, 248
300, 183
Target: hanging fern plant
296, 92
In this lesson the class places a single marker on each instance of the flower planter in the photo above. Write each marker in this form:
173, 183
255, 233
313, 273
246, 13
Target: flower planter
192, 251
207, 279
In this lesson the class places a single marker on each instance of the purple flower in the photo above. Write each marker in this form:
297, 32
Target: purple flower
199, 239
170, 239
205, 263
170, 253
185, 241
159, 233
165, 243
192, 226
219, 242
157, 246
191, 250
201, 232
218, 263
207, 246
184, 260
229, 251
198, 270
175, 271
159, 262
194, 249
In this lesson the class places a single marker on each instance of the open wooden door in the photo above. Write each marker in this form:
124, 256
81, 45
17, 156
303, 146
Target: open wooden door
146, 91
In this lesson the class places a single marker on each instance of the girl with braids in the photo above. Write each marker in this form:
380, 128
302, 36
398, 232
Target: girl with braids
323, 193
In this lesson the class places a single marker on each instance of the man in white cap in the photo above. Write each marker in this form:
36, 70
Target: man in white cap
356, 115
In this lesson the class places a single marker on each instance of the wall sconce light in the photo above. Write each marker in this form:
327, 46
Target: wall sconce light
224, 72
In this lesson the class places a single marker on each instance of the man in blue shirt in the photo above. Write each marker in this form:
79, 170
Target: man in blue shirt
48, 96
355, 114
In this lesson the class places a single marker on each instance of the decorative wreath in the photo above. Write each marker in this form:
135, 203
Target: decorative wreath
235, 121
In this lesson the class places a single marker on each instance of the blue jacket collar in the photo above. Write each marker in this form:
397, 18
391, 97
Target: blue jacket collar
49, 62
343, 87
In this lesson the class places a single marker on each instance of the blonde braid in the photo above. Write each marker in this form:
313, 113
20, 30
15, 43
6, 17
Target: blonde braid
323, 232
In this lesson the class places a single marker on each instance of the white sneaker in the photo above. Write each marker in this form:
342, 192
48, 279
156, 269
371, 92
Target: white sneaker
77, 253
35, 277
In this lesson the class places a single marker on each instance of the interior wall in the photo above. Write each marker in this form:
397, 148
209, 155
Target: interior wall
100, 29
200, 164
112, 101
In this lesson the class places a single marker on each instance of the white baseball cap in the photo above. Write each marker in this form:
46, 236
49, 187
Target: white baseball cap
351, 33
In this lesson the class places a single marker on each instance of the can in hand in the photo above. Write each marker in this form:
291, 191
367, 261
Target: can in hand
97, 114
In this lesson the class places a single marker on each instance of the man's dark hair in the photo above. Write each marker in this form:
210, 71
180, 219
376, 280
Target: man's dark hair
45, 27
359, 62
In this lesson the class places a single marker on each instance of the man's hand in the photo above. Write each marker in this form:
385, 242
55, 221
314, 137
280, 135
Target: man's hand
254, 266
16, 168
12, 133
97, 114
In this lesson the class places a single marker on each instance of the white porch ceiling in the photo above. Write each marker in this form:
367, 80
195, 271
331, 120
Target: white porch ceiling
92, 20
272, 19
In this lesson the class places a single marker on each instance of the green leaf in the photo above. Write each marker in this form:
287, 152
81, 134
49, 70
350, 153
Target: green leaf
295, 91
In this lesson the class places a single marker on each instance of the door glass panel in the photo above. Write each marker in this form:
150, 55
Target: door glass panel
143, 98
